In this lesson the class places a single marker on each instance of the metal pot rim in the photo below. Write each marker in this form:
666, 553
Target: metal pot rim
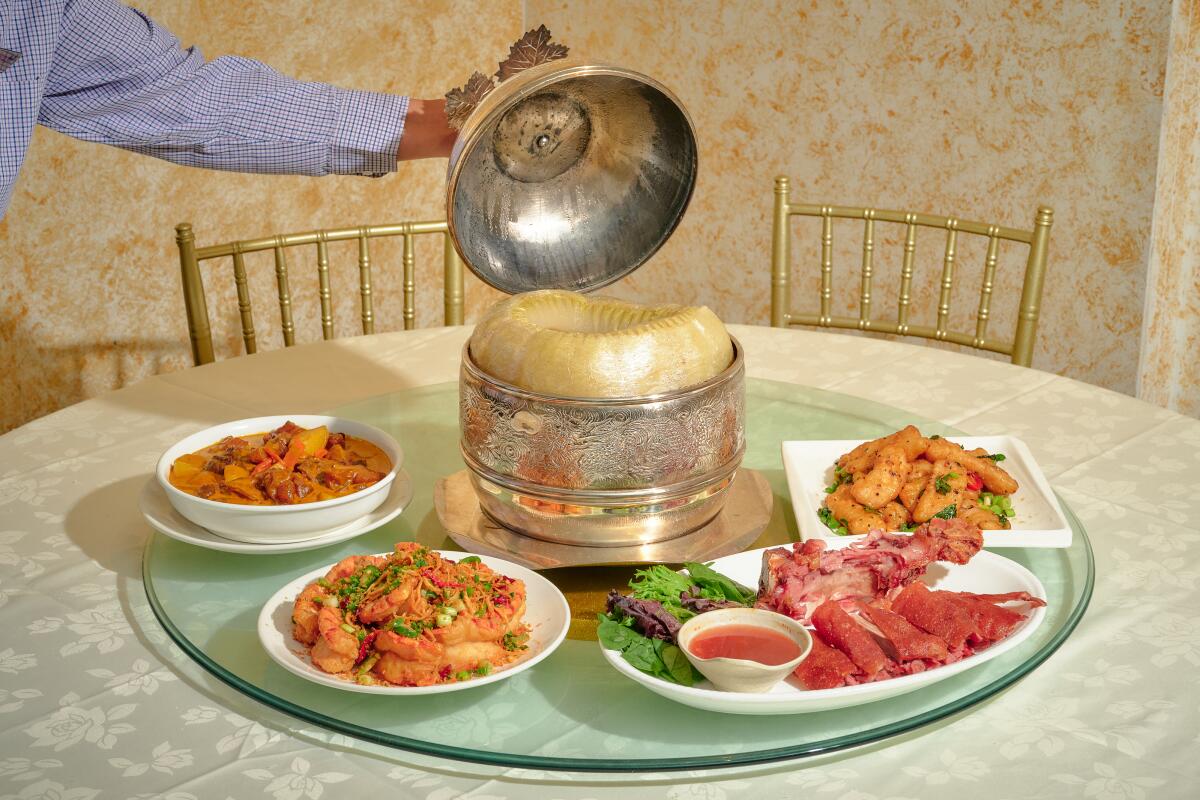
736, 366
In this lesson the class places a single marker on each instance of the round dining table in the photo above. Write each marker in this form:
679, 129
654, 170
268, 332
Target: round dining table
97, 700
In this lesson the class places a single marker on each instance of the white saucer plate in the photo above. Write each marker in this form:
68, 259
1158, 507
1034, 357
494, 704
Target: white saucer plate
546, 612
986, 573
163, 517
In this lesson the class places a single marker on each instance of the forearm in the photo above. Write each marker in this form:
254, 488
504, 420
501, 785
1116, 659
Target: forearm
122, 80
427, 134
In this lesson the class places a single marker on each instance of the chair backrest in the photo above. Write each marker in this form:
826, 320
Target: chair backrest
190, 256
1019, 348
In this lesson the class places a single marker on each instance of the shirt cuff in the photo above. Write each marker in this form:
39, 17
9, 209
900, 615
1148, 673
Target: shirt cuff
369, 127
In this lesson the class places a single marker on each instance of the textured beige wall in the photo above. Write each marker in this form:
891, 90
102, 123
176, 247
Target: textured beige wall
1170, 368
90, 297
981, 110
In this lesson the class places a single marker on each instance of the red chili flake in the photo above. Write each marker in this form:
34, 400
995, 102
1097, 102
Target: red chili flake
974, 482
365, 647
438, 582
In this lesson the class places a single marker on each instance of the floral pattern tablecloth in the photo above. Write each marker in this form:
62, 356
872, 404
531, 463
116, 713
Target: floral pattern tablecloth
96, 702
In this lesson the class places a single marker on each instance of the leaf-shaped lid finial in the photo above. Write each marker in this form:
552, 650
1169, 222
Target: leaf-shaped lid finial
532, 49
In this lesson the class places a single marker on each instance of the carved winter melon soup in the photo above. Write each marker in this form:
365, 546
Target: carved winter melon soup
567, 344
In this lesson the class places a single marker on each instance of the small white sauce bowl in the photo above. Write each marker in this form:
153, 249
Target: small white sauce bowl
283, 523
742, 675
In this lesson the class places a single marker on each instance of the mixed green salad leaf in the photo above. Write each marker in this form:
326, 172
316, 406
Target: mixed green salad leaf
642, 625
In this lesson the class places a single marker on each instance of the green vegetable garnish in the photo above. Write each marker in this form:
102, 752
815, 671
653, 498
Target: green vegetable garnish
840, 476
412, 630
367, 663
909, 527
512, 641
996, 457
663, 584
652, 656
470, 560
838, 526
942, 484
998, 504
484, 668
716, 586
948, 512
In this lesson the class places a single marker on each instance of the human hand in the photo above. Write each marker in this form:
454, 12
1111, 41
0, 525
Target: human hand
426, 132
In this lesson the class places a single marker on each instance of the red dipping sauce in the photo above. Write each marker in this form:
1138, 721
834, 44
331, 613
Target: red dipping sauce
748, 642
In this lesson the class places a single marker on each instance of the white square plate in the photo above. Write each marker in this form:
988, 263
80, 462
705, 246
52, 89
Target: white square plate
1039, 521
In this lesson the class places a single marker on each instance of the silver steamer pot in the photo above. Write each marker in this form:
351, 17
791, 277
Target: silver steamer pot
615, 471
571, 176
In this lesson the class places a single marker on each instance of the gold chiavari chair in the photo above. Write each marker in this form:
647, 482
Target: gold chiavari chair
1019, 348
196, 305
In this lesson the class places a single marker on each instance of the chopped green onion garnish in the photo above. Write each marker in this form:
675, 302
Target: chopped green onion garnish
838, 526
399, 627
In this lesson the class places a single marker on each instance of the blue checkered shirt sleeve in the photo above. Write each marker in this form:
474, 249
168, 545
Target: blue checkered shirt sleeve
119, 78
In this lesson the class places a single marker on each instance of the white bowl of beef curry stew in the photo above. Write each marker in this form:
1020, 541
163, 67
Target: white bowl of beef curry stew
280, 479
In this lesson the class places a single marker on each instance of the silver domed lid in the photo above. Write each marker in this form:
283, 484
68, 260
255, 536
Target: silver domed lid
568, 176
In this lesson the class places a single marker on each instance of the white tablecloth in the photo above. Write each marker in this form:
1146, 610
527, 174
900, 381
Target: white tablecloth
96, 702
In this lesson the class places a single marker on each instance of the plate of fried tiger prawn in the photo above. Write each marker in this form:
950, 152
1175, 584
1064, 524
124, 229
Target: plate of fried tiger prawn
896, 482
413, 621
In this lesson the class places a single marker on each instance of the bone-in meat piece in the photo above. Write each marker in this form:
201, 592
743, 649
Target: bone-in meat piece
794, 582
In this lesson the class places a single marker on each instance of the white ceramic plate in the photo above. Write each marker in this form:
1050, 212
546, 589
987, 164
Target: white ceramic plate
1039, 522
163, 517
986, 573
546, 611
